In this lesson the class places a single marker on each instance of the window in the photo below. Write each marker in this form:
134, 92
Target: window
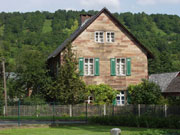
120, 99
99, 36
110, 37
121, 66
90, 99
88, 66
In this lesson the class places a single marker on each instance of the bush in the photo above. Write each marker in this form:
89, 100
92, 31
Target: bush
36, 100
102, 93
144, 93
135, 121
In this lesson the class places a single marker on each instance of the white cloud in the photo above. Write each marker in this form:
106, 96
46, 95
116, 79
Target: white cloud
98, 4
153, 2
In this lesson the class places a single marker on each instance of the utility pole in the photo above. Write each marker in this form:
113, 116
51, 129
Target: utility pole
5, 90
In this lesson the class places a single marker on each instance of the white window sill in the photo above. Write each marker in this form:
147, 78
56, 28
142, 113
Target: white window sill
89, 75
99, 42
120, 75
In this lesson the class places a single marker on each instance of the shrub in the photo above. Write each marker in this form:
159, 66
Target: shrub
101, 93
144, 93
36, 100
135, 121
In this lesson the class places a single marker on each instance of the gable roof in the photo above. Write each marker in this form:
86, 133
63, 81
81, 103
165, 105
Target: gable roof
163, 80
174, 86
86, 24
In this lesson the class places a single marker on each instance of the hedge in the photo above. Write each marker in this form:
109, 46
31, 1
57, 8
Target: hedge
135, 121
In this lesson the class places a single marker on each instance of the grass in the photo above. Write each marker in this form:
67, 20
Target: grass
47, 26
84, 130
157, 30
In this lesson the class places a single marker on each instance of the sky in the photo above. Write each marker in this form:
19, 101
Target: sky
119, 6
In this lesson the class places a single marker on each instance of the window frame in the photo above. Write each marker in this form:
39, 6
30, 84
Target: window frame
89, 67
120, 95
90, 99
120, 74
110, 41
98, 41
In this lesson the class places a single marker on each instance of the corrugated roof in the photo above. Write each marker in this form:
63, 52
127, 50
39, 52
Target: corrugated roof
163, 80
86, 24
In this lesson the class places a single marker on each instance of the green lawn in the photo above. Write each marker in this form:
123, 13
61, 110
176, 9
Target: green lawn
84, 130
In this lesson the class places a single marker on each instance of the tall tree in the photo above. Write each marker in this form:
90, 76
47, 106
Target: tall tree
31, 74
68, 87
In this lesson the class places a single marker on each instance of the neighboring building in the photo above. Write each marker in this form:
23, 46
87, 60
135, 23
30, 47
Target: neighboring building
108, 53
168, 82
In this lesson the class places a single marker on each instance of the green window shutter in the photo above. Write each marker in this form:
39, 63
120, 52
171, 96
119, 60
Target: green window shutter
81, 66
128, 97
96, 67
113, 66
128, 66
114, 101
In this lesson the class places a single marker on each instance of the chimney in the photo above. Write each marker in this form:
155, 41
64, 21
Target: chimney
84, 17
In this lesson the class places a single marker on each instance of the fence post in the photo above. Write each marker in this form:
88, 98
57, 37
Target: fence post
86, 112
4, 112
37, 109
104, 109
113, 111
19, 112
165, 110
53, 112
139, 110
70, 110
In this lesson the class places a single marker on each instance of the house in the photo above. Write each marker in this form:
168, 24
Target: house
108, 53
168, 82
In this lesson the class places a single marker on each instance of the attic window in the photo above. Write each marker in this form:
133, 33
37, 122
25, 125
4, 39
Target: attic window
110, 37
99, 36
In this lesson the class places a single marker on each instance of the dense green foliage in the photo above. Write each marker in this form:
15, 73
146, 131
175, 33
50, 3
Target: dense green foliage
144, 93
173, 100
1, 84
101, 93
68, 87
135, 121
1, 94
31, 74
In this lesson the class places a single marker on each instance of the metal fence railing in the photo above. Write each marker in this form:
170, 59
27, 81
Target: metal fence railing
51, 109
